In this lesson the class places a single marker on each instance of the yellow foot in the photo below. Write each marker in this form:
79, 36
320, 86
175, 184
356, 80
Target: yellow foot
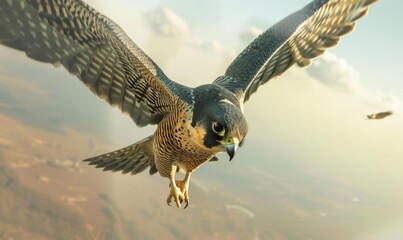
179, 189
184, 188
179, 193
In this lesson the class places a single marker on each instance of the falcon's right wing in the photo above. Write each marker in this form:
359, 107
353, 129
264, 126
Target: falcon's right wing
96, 50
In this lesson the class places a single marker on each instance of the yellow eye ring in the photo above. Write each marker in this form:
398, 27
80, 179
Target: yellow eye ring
218, 129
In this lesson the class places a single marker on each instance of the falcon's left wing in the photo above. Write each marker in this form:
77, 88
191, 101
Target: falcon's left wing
297, 38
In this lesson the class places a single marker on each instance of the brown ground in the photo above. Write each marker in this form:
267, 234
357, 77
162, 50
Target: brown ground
48, 193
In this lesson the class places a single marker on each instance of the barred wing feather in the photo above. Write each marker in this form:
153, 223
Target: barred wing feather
298, 38
96, 50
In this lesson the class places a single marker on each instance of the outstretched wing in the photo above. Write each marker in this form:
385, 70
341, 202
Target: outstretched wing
297, 38
96, 50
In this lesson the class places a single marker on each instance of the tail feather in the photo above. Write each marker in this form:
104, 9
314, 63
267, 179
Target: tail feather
131, 159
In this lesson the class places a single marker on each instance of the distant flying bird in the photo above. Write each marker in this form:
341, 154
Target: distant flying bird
194, 124
380, 115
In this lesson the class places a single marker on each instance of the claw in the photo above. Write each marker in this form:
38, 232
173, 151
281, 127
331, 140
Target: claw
183, 187
177, 196
186, 203
179, 190
169, 200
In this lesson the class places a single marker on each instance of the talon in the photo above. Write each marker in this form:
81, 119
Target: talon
177, 196
186, 203
179, 190
169, 200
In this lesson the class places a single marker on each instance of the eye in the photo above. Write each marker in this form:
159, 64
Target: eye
218, 128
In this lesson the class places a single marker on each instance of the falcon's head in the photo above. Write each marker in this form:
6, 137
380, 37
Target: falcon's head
223, 126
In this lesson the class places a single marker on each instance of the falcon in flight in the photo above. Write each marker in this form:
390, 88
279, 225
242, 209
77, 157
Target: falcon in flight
194, 124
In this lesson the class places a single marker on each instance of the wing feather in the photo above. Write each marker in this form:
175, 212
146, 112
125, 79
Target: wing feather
96, 50
298, 38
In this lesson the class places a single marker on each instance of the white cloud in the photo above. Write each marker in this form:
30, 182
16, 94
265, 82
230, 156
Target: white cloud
184, 57
214, 46
388, 101
337, 74
167, 23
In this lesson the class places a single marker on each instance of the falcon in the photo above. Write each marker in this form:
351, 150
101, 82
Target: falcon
193, 124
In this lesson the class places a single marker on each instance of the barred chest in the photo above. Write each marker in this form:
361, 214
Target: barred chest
190, 141
182, 143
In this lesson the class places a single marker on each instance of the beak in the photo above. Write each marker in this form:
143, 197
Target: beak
231, 145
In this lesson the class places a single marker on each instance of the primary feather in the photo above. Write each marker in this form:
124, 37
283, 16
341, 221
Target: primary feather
298, 38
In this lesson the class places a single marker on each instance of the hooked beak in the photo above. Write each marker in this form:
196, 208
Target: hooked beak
231, 145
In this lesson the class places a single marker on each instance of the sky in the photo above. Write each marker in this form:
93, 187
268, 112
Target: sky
308, 126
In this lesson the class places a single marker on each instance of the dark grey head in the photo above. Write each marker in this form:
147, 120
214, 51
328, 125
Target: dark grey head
220, 119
